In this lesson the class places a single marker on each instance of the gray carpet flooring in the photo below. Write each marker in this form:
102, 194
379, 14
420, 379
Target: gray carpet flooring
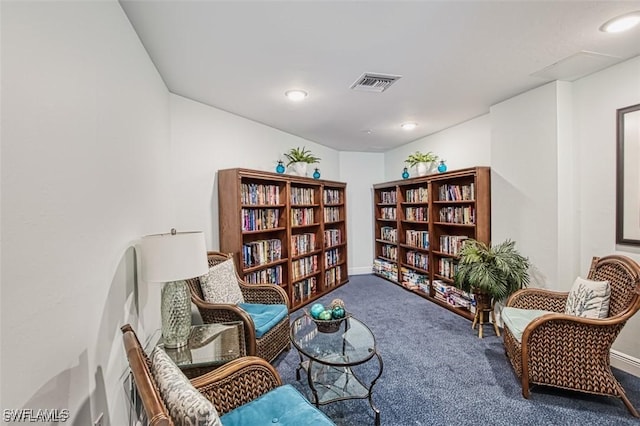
438, 372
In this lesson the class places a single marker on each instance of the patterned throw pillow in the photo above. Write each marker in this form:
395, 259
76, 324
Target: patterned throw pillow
589, 299
187, 406
220, 285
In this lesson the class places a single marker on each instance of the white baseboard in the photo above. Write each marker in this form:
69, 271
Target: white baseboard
361, 270
625, 363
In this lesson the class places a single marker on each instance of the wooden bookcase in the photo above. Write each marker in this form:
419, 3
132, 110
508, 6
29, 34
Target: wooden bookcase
284, 230
420, 225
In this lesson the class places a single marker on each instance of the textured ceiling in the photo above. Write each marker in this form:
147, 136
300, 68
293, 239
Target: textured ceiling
456, 58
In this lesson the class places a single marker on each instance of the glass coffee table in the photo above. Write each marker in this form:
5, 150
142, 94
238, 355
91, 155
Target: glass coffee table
327, 357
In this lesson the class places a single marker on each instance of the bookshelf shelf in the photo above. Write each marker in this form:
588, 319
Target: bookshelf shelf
302, 236
426, 246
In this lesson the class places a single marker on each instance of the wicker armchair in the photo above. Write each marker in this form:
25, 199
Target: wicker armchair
270, 344
572, 352
247, 383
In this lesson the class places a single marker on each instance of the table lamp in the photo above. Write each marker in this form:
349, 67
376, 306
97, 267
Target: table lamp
173, 258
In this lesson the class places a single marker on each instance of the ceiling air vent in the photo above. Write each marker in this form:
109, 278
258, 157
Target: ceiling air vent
370, 82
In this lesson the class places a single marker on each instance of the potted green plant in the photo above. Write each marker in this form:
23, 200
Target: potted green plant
423, 162
299, 158
495, 271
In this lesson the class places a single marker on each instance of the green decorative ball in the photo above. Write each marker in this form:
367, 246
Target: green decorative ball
338, 312
325, 315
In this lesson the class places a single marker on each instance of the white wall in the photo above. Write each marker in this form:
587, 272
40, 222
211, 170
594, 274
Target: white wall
85, 172
206, 139
466, 145
524, 208
360, 170
595, 101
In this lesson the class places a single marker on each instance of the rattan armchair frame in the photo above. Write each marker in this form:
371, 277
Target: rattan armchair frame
228, 387
570, 352
273, 342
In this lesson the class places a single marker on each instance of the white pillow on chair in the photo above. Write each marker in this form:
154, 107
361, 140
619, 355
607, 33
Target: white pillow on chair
220, 285
589, 299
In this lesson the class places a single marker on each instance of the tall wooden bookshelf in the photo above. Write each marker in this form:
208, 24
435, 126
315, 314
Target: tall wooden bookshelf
420, 226
284, 230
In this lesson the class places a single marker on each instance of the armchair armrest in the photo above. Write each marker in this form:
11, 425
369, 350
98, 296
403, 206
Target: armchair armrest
268, 294
237, 382
538, 298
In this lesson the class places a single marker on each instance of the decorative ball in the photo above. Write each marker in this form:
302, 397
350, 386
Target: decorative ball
316, 310
336, 302
337, 312
325, 315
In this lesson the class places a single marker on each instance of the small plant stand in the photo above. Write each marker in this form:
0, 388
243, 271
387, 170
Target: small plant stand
484, 309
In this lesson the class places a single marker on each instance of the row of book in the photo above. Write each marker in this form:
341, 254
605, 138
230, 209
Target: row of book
388, 197
302, 216
417, 195
302, 195
331, 214
259, 194
331, 257
419, 260
331, 196
452, 244
333, 276
271, 275
388, 233
453, 296
261, 252
417, 238
457, 192
304, 266
304, 289
388, 213
259, 219
414, 280
463, 215
302, 243
332, 237
386, 269
416, 213
390, 252
447, 267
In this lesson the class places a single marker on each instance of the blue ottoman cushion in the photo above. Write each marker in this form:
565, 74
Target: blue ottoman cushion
283, 406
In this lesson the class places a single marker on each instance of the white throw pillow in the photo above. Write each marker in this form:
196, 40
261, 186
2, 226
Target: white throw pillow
589, 299
220, 285
187, 406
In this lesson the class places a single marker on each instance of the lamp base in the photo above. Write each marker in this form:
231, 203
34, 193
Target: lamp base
176, 314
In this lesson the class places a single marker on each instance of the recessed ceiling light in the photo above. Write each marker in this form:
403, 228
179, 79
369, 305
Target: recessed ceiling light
621, 23
409, 126
296, 95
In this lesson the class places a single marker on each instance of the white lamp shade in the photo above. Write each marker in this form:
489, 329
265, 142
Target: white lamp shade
173, 257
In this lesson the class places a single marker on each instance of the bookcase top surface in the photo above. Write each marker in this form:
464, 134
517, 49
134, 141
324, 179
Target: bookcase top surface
436, 176
261, 174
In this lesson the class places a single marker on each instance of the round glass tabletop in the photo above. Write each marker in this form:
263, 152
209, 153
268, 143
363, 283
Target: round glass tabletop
353, 343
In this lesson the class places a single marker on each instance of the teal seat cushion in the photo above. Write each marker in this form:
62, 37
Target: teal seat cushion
282, 406
516, 319
264, 317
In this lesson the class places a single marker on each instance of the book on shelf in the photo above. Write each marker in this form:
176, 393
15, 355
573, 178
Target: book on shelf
417, 195
417, 238
259, 194
259, 219
261, 252
332, 237
331, 196
300, 195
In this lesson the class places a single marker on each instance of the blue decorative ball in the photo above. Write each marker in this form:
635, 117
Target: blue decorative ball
316, 310
442, 167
